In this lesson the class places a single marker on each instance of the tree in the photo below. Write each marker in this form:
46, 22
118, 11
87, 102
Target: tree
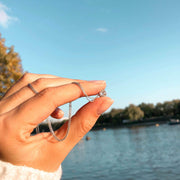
176, 103
148, 109
114, 112
159, 109
10, 67
168, 108
134, 112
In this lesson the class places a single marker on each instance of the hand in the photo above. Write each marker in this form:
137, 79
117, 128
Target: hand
21, 110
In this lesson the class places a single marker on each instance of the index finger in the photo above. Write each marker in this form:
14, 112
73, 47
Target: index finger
39, 107
26, 93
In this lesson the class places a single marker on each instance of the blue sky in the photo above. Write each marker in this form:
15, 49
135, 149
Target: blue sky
132, 44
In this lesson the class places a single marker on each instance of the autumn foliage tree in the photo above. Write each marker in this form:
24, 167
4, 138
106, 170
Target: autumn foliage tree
10, 67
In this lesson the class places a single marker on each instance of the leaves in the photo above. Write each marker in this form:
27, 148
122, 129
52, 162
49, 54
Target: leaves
10, 67
134, 112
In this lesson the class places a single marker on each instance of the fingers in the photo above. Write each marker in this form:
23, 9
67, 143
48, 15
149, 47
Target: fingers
58, 113
25, 93
24, 80
81, 123
39, 107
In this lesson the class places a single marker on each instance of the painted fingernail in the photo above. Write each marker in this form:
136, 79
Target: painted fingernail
98, 81
104, 105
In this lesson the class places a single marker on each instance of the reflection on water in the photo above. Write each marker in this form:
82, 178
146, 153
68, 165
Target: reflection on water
144, 153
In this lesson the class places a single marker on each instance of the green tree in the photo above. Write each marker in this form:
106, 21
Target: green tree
176, 103
159, 109
134, 112
168, 108
114, 112
148, 109
10, 67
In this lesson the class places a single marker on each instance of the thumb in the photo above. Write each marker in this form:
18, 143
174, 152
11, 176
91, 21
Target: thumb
84, 120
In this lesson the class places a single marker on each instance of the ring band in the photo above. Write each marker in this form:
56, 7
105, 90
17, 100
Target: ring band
32, 88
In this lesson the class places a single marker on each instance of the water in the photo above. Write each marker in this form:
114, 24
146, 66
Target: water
141, 153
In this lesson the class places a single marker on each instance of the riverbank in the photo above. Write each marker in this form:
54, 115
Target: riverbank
144, 122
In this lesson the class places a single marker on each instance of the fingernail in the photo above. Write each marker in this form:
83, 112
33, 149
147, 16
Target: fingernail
104, 105
60, 113
98, 81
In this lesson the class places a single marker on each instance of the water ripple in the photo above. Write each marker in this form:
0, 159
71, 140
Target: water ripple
147, 153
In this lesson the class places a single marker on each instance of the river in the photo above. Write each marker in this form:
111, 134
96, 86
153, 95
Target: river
140, 153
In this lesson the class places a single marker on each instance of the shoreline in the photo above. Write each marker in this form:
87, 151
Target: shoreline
145, 122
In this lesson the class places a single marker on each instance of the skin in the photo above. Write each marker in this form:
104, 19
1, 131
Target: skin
21, 110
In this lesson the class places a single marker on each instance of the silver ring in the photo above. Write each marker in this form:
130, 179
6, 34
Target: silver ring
32, 88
